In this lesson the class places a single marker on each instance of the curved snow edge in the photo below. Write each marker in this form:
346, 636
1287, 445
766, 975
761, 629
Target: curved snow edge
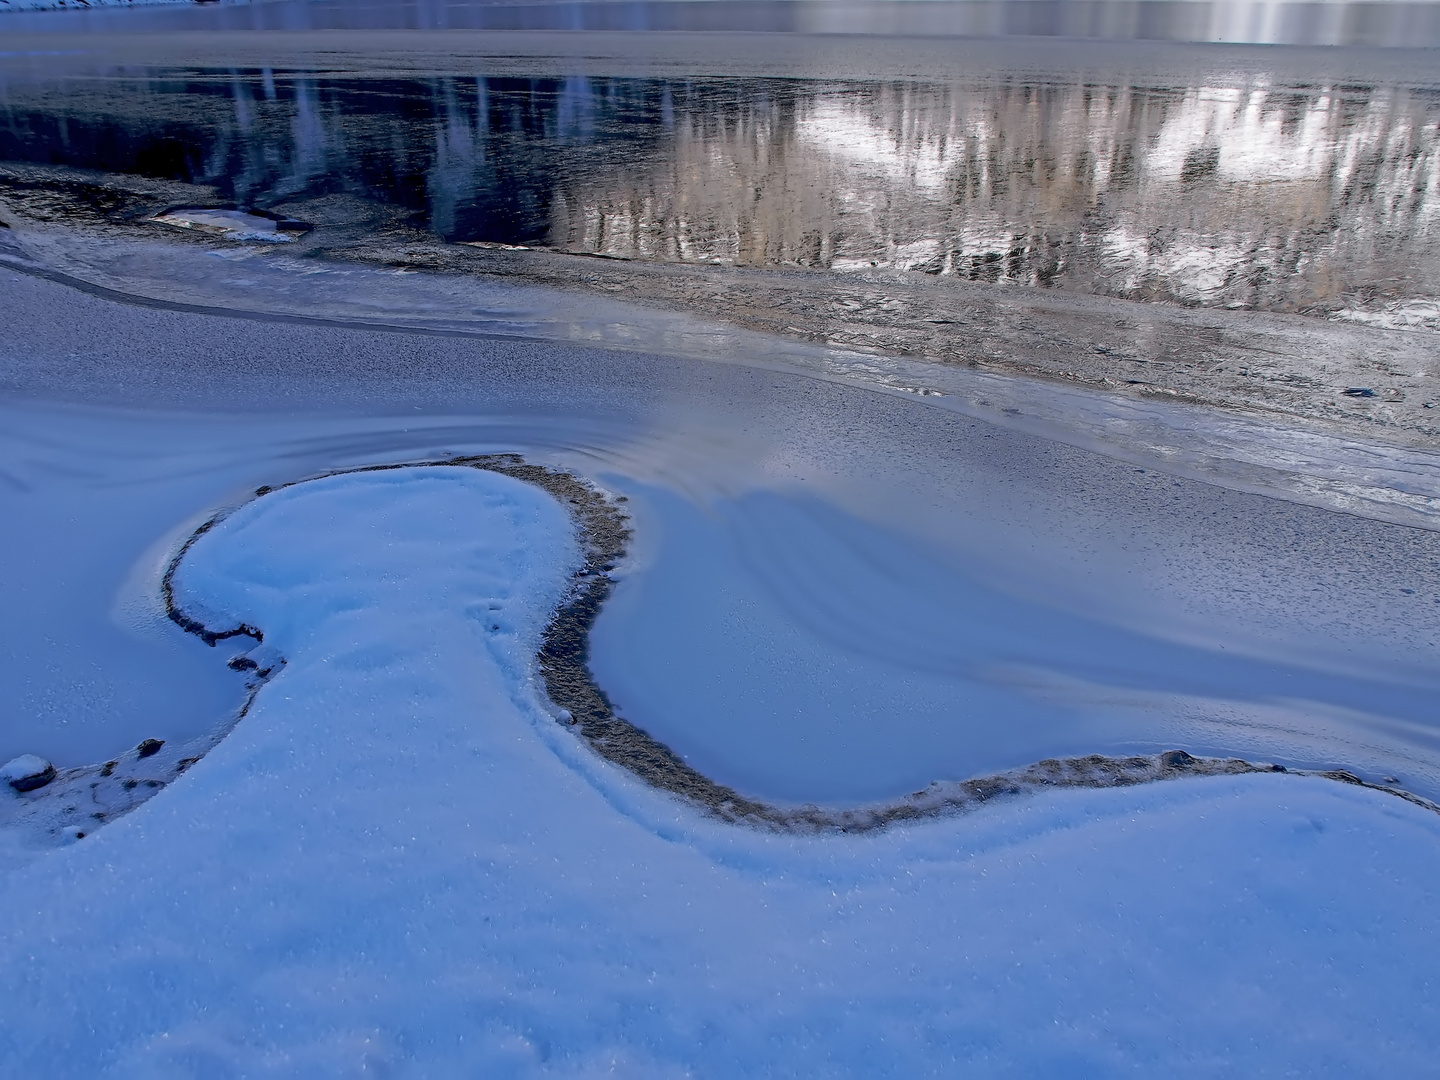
579, 702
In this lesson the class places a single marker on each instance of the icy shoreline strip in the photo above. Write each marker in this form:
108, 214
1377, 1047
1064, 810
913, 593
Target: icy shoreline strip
1313, 450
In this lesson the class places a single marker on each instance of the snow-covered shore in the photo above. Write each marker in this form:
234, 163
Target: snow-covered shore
398, 863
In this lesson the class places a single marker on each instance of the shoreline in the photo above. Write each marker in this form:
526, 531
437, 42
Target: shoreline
1303, 370
114, 788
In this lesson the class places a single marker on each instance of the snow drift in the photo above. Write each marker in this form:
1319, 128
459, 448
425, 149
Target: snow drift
398, 863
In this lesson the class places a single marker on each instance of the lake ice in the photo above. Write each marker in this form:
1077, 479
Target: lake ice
928, 597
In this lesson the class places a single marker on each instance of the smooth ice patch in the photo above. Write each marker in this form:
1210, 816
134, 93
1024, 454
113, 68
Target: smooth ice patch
799, 653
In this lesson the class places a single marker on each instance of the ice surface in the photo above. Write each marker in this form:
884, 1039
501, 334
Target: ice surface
1387, 476
800, 653
398, 863
860, 530
88, 661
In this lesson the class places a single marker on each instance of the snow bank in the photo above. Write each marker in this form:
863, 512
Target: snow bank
27, 770
399, 864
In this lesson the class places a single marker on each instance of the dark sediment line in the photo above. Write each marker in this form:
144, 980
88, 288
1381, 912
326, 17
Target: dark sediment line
563, 661
184, 621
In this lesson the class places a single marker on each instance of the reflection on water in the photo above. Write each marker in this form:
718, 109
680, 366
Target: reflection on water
1246, 192
1271, 22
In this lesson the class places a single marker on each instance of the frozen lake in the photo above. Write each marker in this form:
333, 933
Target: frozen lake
973, 402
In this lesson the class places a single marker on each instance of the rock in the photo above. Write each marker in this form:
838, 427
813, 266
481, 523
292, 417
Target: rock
1176, 759
149, 747
27, 772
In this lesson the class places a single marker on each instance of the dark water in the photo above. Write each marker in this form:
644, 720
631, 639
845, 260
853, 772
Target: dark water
1241, 187
1291, 22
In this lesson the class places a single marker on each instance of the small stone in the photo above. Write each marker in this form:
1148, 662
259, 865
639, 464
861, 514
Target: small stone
27, 772
1176, 759
150, 747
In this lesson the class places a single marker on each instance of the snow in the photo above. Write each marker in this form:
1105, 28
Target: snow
19, 768
400, 864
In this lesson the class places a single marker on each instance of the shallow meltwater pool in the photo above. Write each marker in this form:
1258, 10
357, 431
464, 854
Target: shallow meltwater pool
832, 593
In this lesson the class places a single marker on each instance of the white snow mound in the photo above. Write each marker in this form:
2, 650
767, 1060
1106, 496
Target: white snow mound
18, 768
399, 865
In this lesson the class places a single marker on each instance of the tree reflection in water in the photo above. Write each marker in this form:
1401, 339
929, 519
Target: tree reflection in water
1243, 191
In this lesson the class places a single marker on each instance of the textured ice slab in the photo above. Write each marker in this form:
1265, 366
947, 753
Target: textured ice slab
398, 863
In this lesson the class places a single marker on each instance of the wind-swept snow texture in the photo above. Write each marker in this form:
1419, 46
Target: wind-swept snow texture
398, 864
